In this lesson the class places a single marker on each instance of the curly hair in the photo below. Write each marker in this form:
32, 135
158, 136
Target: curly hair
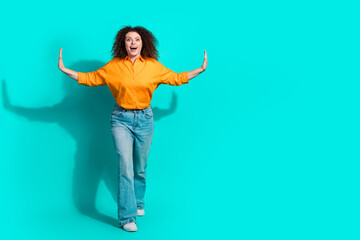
149, 43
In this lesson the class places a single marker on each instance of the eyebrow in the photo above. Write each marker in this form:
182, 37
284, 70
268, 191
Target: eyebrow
130, 37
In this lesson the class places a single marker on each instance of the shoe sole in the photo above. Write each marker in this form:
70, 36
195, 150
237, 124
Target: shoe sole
128, 230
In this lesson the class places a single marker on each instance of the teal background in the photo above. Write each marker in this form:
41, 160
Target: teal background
263, 145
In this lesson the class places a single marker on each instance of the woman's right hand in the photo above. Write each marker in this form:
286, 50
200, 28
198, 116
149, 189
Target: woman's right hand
61, 64
74, 75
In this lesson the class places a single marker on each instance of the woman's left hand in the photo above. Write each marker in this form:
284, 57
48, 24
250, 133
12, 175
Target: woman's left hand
204, 65
196, 72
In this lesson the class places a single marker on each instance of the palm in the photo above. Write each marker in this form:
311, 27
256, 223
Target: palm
204, 65
61, 64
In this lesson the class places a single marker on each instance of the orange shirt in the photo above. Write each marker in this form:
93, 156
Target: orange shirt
132, 84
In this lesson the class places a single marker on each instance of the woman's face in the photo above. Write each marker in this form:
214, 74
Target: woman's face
133, 44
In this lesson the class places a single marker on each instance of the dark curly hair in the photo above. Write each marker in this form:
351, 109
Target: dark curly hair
148, 41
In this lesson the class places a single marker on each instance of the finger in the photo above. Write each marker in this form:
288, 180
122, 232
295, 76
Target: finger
60, 52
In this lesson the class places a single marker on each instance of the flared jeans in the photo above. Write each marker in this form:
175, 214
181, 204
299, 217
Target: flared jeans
132, 131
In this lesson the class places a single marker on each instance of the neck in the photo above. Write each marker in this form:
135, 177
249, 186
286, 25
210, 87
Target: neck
133, 58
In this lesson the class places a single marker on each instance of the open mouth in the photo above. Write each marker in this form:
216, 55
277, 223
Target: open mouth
133, 49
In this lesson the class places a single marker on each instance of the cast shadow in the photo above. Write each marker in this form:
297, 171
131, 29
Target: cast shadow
85, 114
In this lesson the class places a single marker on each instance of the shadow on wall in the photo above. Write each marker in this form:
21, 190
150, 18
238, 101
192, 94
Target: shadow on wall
85, 114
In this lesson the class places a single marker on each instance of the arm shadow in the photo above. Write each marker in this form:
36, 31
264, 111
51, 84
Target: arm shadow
84, 113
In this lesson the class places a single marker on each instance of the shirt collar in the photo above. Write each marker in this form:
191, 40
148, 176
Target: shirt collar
140, 58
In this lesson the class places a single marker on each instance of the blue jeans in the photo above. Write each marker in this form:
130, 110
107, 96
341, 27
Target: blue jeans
132, 131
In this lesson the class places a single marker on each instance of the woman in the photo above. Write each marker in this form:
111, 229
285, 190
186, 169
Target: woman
132, 76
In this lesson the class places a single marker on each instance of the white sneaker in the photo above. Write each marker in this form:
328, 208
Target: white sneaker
140, 212
130, 227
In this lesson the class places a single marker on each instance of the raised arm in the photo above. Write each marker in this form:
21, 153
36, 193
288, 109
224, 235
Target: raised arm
74, 75
196, 72
92, 79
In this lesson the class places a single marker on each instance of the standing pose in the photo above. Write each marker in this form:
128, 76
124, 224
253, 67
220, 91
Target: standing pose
132, 76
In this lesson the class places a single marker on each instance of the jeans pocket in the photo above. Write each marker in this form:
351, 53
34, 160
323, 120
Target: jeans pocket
149, 114
117, 112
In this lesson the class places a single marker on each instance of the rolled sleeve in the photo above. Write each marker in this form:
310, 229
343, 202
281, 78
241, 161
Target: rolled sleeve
167, 76
95, 78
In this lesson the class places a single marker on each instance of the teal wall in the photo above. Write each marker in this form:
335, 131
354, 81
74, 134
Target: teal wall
263, 145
